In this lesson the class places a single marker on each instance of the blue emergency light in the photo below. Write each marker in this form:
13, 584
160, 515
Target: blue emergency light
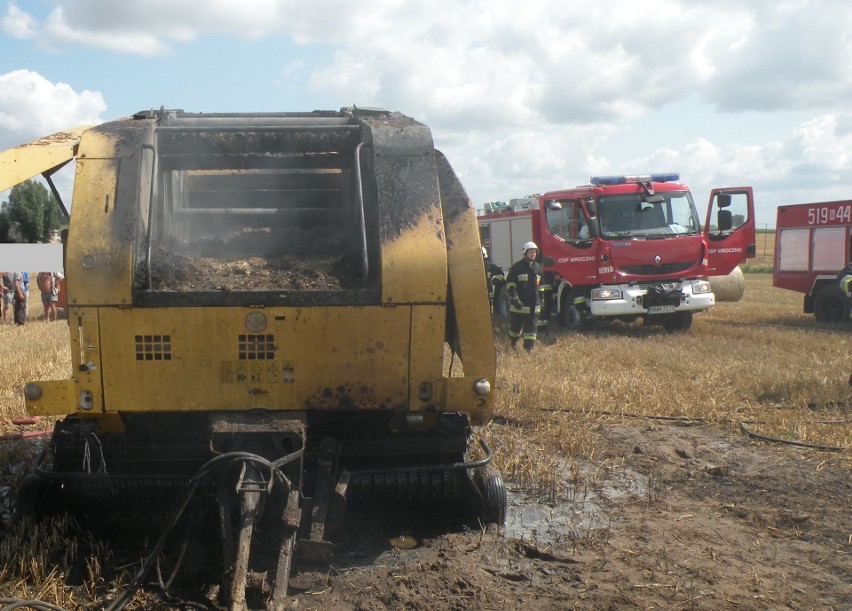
601, 181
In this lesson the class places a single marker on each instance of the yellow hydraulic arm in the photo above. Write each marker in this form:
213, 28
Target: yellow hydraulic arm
43, 156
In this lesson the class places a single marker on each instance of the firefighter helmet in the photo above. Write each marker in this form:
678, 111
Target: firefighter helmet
529, 246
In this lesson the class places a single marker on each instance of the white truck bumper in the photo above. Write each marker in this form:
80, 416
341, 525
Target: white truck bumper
628, 300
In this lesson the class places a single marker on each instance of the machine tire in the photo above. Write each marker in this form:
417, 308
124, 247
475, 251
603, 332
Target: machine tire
31, 493
831, 305
679, 321
489, 482
501, 302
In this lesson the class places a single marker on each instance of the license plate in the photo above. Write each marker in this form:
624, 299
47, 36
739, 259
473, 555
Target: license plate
661, 309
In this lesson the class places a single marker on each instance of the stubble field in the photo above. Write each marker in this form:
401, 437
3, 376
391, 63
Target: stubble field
645, 469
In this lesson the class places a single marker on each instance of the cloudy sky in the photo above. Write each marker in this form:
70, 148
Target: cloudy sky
521, 100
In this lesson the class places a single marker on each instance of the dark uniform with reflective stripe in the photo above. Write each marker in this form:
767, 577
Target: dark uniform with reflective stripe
522, 285
494, 276
844, 279
546, 291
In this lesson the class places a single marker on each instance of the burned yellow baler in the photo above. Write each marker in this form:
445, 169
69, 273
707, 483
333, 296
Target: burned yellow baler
287, 309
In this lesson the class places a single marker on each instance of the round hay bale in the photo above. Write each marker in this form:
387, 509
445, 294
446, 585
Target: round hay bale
730, 287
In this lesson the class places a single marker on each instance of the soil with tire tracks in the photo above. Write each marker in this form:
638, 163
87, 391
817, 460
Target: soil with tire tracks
692, 517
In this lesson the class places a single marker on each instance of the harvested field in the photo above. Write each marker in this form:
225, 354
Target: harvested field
633, 481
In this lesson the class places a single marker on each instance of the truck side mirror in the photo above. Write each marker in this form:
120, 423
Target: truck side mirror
724, 218
723, 199
552, 204
594, 228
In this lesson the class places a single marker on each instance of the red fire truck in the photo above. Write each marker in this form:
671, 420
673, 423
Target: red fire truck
625, 247
813, 242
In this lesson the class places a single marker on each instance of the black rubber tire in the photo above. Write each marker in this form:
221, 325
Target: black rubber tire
501, 302
831, 305
31, 494
679, 321
572, 318
489, 482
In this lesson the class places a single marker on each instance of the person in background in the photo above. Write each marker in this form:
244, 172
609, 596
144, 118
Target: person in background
494, 277
844, 279
48, 284
19, 300
522, 285
25, 276
549, 280
8, 294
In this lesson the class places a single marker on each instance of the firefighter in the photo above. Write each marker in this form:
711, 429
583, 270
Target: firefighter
549, 280
494, 276
844, 279
522, 285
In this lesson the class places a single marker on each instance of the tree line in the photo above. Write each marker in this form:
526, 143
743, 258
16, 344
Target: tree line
34, 209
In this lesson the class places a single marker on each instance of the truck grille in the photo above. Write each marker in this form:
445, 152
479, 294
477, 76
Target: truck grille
654, 270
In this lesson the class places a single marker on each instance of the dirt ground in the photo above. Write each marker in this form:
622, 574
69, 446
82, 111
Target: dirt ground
686, 517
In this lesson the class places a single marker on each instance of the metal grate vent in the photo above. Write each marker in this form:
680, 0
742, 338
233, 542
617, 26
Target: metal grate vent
257, 347
153, 347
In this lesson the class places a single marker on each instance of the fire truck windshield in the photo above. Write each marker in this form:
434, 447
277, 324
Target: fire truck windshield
634, 215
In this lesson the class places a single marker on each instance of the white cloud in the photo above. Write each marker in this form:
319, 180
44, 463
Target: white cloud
17, 23
524, 98
32, 107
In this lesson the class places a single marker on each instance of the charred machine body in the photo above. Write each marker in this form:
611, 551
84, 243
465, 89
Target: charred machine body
285, 312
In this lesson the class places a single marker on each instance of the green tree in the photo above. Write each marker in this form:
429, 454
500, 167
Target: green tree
35, 208
4, 225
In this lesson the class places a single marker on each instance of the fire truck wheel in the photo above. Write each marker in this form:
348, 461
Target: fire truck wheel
831, 305
679, 321
572, 318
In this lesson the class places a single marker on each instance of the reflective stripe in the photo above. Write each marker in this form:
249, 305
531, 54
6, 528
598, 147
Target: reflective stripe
524, 309
523, 277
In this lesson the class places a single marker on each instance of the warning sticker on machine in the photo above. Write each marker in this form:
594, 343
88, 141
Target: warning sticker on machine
257, 372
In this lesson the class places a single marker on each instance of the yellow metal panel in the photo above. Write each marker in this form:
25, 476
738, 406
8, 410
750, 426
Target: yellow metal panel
469, 297
427, 355
414, 265
59, 397
83, 392
208, 359
28, 160
98, 257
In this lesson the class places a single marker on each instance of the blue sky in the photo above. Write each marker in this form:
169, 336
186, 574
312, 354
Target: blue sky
521, 100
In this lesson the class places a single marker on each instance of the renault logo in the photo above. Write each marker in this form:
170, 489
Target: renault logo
658, 260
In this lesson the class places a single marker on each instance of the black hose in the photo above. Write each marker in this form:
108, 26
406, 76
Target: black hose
214, 465
789, 442
20, 603
740, 423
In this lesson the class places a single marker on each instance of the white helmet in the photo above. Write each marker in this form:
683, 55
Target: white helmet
528, 246
484, 252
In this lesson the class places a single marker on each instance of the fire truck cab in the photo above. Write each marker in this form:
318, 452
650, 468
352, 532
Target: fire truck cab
625, 247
